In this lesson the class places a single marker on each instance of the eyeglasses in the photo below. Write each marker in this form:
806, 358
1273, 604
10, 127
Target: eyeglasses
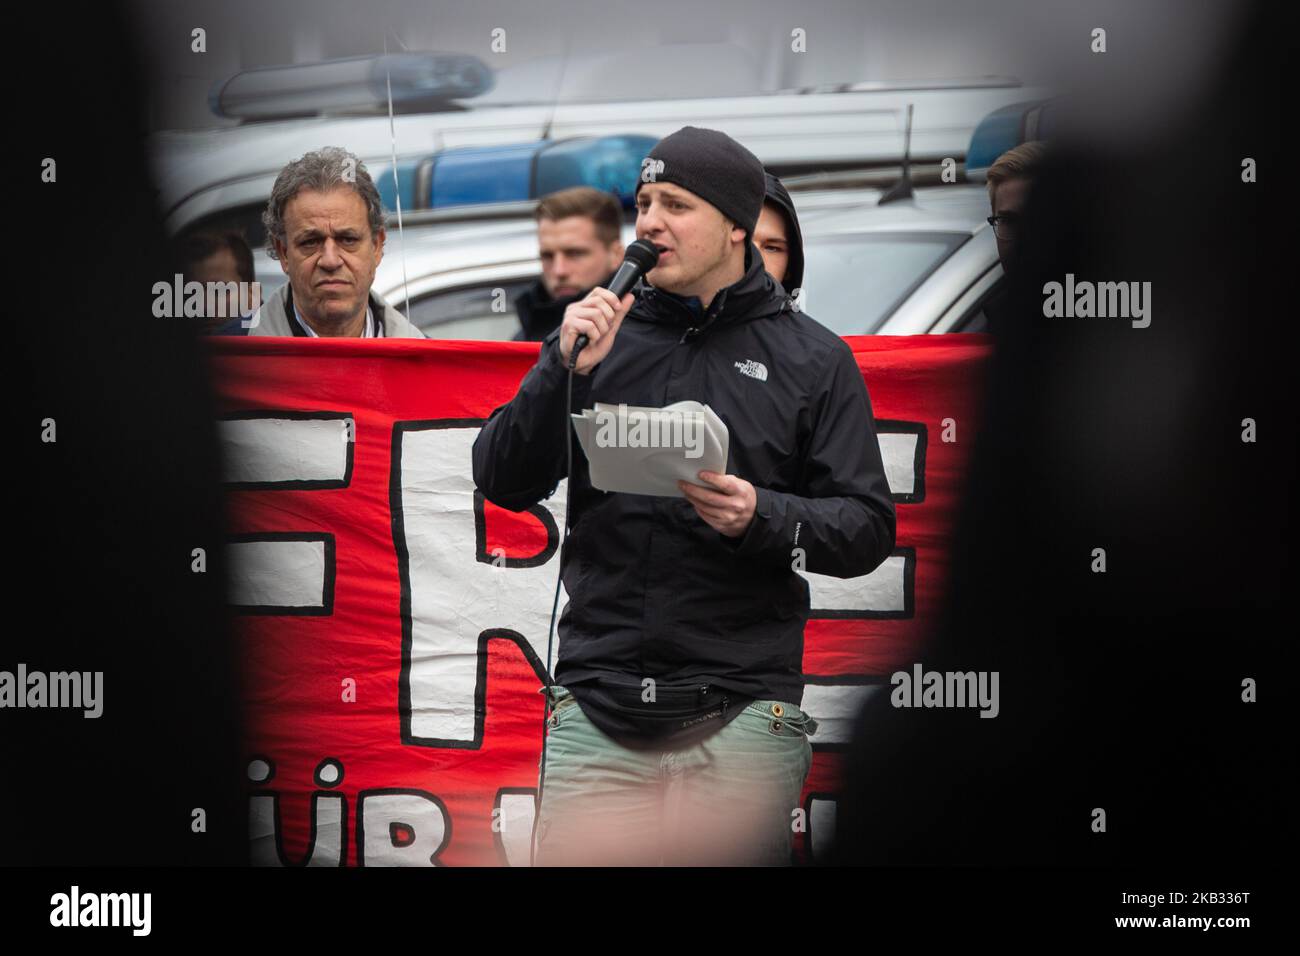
1004, 227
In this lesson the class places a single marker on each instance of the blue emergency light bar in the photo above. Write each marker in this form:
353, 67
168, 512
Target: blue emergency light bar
407, 174
420, 81
1004, 129
611, 164
479, 175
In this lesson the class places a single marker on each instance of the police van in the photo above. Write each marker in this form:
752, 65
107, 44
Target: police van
878, 259
398, 112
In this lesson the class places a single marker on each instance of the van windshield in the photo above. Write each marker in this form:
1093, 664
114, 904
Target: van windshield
853, 283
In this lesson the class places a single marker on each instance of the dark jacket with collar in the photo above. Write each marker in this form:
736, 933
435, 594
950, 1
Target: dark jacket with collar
540, 314
654, 591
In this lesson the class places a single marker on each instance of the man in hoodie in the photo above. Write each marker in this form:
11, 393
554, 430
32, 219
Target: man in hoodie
778, 238
579, 247
676, 734
325, 224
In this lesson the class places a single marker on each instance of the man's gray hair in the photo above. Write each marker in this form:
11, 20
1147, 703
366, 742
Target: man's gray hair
322, 170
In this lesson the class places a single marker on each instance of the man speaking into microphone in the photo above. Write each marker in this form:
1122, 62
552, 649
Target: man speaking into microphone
676, 734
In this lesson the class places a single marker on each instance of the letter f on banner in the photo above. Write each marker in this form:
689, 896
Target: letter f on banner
285, 572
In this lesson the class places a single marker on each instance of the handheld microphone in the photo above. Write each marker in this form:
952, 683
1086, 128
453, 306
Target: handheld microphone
639, 259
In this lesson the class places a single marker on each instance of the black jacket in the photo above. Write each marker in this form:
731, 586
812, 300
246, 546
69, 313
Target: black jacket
540, 314
654, 590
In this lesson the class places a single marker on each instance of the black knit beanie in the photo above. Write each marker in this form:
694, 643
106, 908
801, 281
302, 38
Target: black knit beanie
714, 167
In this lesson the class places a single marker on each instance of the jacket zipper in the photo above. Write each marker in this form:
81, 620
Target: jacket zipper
694, 330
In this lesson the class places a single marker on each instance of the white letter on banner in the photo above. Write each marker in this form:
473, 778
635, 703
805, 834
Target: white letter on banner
400, 828
455, 598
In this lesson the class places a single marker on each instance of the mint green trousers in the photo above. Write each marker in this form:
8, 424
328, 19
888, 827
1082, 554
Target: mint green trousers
730, 800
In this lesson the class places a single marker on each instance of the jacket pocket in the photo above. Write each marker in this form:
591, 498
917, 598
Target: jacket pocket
577, 576
754, 602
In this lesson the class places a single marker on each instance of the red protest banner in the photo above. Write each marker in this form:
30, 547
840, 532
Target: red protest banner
392, 667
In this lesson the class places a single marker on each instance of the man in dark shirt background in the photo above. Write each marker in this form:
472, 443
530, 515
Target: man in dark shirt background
1010, 179
579, 245
220, 258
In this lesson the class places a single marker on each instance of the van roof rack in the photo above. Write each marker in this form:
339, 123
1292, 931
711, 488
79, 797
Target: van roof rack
469, 212
869, 177
899, 86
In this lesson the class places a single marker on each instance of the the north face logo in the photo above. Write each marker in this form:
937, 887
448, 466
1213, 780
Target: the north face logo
753, 369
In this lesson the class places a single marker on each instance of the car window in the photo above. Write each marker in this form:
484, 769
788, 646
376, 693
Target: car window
977, 319
245, 220
853, 283
470, 312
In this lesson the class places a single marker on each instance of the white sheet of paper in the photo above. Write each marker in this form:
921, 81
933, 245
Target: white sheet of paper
652, 462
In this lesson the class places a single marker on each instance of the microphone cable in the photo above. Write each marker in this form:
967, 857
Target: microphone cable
641, 257
555, 602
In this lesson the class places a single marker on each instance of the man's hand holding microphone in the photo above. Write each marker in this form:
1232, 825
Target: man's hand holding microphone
592, 323
598, 317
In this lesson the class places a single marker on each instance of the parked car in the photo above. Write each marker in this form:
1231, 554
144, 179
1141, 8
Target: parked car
913, 266
923, 265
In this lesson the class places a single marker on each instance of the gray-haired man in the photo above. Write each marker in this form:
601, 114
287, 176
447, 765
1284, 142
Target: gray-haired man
325, 224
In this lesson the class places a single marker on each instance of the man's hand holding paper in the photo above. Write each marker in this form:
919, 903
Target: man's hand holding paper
726, 505
650, 451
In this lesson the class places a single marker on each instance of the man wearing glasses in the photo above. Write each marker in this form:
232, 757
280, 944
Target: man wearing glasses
1010, 179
